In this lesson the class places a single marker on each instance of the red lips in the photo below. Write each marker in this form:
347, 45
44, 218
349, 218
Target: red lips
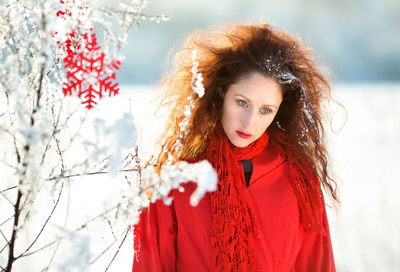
243, 135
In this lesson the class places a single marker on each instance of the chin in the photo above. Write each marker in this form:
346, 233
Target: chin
241, 143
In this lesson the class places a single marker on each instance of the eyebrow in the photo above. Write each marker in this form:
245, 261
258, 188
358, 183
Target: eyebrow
265, 105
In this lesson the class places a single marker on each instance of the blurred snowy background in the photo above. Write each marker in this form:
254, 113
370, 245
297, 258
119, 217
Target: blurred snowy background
358, 39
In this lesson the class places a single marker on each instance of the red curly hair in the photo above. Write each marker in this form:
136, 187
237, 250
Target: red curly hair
225, 55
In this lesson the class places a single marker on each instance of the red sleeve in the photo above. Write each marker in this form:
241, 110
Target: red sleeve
157, 239
316, 253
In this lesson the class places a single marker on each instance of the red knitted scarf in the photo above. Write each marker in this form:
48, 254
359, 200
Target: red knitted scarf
234, 224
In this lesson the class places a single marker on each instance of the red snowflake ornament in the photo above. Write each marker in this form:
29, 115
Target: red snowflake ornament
87, 72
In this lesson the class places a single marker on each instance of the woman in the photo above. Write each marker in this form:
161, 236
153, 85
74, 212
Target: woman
259, 124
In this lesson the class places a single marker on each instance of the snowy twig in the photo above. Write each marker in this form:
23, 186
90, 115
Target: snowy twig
45, 223
119, 247
11, 243
7, 242
70, 176
3, 195
81, 227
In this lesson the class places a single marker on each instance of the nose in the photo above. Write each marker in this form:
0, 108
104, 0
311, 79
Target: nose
248, 118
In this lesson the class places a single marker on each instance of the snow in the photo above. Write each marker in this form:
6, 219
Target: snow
366, 159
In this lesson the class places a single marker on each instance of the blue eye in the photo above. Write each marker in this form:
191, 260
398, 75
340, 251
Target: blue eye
242, 103
265, 110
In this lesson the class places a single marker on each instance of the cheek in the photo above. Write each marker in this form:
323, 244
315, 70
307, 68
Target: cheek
228, 116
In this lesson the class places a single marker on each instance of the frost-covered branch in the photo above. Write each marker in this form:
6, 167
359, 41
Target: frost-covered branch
40, 130
51, 141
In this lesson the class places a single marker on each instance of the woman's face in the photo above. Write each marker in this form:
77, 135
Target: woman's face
250, 106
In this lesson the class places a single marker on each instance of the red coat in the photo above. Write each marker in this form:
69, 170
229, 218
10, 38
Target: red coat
177, 237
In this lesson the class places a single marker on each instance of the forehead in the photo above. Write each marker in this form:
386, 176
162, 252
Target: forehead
257, 88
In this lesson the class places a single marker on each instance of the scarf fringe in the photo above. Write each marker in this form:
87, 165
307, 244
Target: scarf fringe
234, 224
